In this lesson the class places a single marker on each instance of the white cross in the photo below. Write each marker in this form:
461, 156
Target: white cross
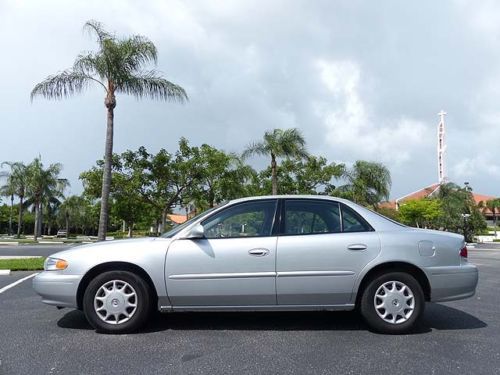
442, 114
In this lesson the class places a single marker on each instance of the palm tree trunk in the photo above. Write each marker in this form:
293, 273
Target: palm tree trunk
110, 103
20, 220
274, 177
10, 214
67, 224
40, 220
35, 227
495, 220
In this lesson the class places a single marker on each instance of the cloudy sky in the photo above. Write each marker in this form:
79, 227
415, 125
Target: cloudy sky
361, 79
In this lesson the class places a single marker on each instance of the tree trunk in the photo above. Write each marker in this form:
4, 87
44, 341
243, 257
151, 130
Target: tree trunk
274, 177
495, 220
35, 227
20, 220
163, 220
110, 103
129, 235
10, 215
40, 219
67, 224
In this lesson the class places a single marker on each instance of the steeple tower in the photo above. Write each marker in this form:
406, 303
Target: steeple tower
441, 148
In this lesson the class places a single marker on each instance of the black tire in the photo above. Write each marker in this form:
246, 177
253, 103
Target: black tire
367, 303
142, 300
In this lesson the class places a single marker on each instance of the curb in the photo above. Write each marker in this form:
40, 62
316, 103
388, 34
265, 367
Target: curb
4, 272
7, 243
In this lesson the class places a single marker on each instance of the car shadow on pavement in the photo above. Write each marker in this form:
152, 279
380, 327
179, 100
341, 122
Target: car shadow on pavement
436, 316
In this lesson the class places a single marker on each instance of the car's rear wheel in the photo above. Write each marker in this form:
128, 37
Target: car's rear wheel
117, 302
392, 303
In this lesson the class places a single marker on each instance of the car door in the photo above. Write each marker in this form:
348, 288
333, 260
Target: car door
234, 265
322, 247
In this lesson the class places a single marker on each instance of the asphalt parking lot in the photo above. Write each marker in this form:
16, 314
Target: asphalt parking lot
456, 337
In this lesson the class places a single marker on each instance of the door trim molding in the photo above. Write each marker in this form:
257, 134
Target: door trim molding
232, 275
314, 273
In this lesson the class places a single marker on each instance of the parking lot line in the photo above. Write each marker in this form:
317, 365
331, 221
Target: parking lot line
5, 288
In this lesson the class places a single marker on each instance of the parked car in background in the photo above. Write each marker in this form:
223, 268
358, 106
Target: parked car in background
62, 233
277, 253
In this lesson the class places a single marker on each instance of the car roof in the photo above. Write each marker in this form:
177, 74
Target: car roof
289, 196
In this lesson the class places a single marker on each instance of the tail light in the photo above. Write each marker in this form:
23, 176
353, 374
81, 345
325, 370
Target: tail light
463, 252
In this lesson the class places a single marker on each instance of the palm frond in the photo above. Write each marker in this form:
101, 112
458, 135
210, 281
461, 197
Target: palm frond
97, 28
62, 85
150, 84
91, 64
255, 148
136, 51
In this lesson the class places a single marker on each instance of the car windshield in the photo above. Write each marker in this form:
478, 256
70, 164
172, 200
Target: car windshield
172, 232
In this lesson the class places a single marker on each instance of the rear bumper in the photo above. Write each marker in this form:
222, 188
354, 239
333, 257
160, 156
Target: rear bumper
57, 289
452, 282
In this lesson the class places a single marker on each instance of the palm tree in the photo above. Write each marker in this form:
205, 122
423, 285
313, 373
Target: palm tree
117, 68
277, 144
43, 185
71, 210
8, 190
368, 183
16, 179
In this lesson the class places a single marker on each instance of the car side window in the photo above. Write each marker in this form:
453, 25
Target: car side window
251, 219
310, 217
352, 222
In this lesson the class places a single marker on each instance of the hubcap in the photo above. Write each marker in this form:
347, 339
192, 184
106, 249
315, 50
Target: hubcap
115, 302
394, 302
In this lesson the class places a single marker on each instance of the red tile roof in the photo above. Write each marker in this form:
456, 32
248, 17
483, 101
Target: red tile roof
429, 190
178, 219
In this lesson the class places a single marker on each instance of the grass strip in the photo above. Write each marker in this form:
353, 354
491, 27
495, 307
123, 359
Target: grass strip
23, 264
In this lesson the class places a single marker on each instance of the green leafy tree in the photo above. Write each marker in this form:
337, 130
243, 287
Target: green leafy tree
221, 177
165, 179
389, 212
128, 205
309, 175
367, 183
460, 211
276, 144
421, 213
118, 68
161, 180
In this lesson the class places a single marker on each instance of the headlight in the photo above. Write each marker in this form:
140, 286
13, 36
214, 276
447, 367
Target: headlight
55, 264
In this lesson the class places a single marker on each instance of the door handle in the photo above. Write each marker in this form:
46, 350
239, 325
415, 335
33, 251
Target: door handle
357, 246
258, 252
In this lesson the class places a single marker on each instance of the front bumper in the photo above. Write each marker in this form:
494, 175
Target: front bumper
452, 282
56, 288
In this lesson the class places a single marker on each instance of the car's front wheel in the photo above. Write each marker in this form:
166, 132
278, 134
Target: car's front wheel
117, 302
392, 303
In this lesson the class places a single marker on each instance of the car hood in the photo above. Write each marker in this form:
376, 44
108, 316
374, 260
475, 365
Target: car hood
134, 244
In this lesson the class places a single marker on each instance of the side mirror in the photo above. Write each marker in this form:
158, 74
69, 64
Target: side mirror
196, 232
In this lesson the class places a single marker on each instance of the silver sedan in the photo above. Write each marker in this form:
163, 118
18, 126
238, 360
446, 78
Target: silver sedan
276, 253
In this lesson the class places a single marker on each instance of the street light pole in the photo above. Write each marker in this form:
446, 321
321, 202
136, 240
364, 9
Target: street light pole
465, 216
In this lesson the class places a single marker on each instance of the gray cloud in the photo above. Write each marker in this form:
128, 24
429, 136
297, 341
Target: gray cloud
361, 79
